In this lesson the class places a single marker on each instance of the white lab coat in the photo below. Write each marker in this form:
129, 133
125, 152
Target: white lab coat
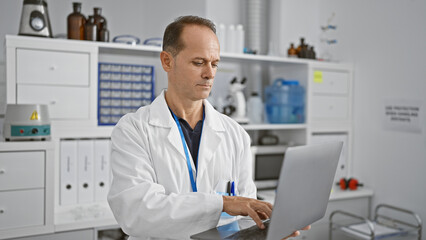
151, 194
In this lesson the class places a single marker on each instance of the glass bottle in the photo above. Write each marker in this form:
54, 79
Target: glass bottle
76, 22
291, 52
299, 48
91, 30
104, 34
100, 21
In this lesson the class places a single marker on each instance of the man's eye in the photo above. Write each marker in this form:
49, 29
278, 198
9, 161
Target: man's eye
197, 63
215, 65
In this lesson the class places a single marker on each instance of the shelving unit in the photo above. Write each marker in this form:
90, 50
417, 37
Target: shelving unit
73, 100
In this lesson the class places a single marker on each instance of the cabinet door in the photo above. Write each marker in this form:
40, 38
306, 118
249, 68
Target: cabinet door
65, 103
21, 170
52, 67
21, 208
329, 108
331, 83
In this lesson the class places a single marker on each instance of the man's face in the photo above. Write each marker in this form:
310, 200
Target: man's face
195, 66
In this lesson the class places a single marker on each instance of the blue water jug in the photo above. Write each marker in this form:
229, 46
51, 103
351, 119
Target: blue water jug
285, 102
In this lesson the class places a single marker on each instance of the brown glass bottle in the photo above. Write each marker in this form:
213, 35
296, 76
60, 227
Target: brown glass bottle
104, 34
299, 48
76, 22
91, 30
99, 21
291, 52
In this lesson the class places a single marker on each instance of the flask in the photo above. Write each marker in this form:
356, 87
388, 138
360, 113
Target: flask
104, 34
255, 108
91, 30
100, 21
76, 22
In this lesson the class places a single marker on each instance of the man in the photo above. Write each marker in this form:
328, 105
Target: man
173, 160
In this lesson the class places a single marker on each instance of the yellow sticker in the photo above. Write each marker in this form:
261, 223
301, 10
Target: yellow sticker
317, 76
34, 115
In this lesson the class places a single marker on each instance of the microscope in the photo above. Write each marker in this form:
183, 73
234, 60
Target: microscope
236, 102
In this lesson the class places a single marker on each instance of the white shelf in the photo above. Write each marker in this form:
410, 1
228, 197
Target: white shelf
267, 126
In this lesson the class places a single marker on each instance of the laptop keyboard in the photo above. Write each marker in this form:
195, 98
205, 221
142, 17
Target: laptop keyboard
251, 233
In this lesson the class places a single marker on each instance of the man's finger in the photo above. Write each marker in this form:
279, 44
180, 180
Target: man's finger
262, 207
256, 218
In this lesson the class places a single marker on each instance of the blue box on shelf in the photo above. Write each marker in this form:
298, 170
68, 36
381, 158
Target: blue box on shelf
123, 88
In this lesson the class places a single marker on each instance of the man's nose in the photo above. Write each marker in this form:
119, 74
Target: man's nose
208, 72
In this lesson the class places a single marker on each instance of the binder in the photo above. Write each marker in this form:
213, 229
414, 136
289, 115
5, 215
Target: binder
68, 173
102, 169
85, 168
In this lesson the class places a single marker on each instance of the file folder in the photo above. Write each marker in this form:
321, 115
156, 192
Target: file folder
85, 171
102, 169
68, 171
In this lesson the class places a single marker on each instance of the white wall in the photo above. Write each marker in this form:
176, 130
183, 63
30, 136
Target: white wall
385, 40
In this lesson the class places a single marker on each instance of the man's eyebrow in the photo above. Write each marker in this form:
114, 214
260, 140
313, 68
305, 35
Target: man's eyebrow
205, 59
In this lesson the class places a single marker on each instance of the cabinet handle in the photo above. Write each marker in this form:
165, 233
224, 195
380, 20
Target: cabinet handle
1, 211
52, 68
52, 102
2, 171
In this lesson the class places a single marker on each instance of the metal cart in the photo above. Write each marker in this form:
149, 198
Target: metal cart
383, 226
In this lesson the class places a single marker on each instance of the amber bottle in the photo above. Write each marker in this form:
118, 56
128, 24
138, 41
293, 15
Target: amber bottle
91, 30
299, 48
291, 52
76, 22
104, 34
100, 21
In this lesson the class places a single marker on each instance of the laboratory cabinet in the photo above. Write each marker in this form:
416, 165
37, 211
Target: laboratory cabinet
26, 188
66, 75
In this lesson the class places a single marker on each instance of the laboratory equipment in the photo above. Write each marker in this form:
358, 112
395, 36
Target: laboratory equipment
26, 122
285, 102
237, 102
389, 222
35, 19
123, 88
76, 22
127, 39
90, 29
255, 108
99, 21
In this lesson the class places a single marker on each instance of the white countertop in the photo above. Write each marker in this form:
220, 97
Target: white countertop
336, 194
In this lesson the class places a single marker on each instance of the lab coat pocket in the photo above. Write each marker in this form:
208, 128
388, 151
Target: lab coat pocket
222, 187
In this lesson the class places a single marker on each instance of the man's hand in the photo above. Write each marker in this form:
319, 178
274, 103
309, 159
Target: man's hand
297, 233
257, 210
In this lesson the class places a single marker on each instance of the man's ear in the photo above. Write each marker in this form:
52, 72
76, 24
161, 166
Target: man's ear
166, 61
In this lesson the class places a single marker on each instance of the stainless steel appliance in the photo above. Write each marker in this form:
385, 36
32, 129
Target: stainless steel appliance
26, 122
267, 161
35, 19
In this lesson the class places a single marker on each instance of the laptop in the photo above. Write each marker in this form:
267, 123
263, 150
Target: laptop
302, 195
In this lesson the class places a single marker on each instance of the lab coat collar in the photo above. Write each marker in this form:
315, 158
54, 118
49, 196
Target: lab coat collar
160, 115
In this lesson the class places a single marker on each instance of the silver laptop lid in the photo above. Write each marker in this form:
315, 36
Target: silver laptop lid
304, 187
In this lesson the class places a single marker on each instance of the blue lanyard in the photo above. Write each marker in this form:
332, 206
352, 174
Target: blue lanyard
188, 161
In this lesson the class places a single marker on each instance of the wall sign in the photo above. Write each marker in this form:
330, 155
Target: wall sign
403, 115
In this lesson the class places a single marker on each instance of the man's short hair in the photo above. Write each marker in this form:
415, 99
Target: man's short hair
171, 40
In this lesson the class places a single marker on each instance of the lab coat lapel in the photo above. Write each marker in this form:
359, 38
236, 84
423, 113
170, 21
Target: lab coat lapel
160, 116
210, 138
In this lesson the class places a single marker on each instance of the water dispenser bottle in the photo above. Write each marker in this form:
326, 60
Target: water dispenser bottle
285, 102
